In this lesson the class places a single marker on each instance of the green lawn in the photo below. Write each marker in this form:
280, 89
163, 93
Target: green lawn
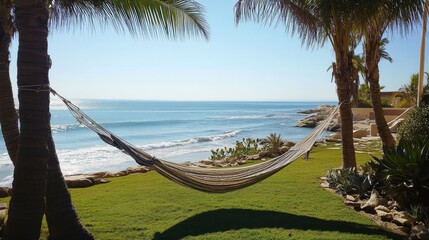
288, 205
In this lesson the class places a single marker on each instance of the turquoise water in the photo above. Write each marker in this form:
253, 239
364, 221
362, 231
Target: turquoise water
177, 131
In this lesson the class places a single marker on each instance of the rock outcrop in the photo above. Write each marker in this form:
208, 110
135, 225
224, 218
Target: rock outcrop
317, 115
87, 180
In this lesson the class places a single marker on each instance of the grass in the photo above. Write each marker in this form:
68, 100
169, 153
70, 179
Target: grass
288, 205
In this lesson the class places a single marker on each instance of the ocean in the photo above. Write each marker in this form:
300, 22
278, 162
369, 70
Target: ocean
178, 131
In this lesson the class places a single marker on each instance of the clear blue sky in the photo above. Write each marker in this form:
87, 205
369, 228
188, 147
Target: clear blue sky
245, 62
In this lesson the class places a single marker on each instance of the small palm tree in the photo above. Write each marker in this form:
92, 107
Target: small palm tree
274, 141
408, 92
36, 163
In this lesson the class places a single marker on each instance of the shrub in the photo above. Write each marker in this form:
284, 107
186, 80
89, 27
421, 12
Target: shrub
404, 172
349, 181
247, 146
274, 141
386, 103
364, 103
420, 213
415, 128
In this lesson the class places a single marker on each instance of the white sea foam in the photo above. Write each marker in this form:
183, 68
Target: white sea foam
108, 158
64, 127
189, 141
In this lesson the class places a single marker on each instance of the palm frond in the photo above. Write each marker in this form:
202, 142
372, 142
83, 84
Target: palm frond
403, 15
297, 16
153, 18
383, 53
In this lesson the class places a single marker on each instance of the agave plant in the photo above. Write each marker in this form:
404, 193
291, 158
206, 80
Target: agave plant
404, 171
349, 181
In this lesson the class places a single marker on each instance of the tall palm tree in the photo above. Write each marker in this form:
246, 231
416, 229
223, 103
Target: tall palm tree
316, 22
8, 115
422, 53
390, 14
36, 161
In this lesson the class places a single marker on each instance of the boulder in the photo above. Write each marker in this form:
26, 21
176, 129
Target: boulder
138, 169
101, 174
360, 133
382, 208
352, 204
392, 205
372, 202
101, 180
79, 181
307, 123
318, 114
335, 126
419, 231
403, 219
202, 165
384, 213
284, 149
253, 157
121, 173
324, 185
288, 144
336, 135
321, 108
206, 162
351, 198
270, 153
241, 162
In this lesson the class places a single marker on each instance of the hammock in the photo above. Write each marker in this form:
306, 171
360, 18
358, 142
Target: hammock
203, 179
394, 124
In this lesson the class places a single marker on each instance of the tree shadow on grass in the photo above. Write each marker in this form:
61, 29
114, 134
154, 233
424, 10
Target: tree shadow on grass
233, 219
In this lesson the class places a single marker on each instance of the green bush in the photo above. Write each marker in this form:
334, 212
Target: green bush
386, 103
349, 181
247, 146
404, 172
364, 103
415, 128
274, 141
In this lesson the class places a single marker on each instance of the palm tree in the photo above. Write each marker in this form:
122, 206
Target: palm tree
36, 159
358, 66
316, 22
408, 92
8, 115
390, 14
422, 53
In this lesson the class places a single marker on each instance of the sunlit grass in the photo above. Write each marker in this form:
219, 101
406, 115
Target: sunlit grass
288, 205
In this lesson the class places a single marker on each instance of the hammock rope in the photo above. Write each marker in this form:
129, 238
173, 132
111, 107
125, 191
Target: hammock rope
203, 179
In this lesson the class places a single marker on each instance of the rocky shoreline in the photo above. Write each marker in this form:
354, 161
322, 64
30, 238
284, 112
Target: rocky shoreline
317, 115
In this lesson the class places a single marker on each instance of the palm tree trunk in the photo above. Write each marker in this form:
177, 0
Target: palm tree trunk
422, 54
27, 204
343, 79
62, 218
372, 59
355, 88
8, 115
